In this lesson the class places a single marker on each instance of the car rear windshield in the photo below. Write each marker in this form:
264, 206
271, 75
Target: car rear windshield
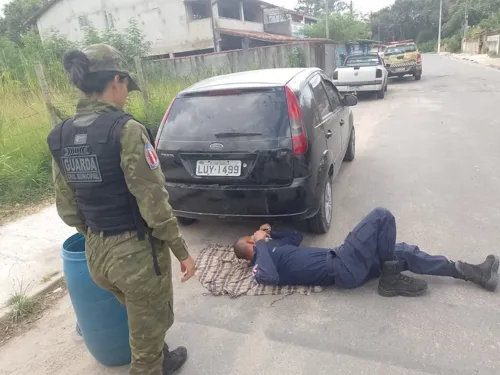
212, 116
367, 60
401, 48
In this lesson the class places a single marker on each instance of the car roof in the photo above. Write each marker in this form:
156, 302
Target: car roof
248, 79
400, 44
375, 54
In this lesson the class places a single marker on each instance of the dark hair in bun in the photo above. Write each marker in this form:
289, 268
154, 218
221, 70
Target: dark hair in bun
76, 64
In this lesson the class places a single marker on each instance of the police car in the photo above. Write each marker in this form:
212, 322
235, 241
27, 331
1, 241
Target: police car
403, 58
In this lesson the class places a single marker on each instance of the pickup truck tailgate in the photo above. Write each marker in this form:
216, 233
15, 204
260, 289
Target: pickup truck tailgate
357, 75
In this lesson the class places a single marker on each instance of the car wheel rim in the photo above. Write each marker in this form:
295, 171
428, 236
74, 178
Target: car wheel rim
328, 202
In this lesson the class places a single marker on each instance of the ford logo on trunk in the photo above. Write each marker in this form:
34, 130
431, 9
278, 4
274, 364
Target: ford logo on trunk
216, 146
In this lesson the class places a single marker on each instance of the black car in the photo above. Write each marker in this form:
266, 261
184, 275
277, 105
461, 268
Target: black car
263, 144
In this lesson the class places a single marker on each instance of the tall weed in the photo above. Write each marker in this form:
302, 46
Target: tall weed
25, 161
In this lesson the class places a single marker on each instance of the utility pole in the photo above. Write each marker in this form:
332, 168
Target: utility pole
351, 8
466, 19
215, 34
326, 20
440, 22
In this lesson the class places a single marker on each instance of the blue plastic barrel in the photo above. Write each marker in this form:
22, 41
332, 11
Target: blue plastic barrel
101, 318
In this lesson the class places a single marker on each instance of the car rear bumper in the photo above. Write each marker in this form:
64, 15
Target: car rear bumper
295, 201
361, 88
398, 71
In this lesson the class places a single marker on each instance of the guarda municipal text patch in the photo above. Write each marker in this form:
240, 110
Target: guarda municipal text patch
80, 165
151, 157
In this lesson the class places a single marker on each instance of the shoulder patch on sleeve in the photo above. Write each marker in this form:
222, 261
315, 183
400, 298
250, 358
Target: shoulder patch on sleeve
151, 157
255, 269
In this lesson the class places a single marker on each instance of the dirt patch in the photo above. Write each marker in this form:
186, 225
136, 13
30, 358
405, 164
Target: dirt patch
10, 328
9, 213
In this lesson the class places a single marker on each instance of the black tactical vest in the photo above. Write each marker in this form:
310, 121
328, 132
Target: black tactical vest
89, 158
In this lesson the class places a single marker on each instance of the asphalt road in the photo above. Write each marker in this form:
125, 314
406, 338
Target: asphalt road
428, 152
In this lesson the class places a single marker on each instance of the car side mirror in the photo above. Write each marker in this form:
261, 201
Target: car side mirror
350, 100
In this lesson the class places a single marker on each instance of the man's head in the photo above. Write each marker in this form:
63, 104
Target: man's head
243, 248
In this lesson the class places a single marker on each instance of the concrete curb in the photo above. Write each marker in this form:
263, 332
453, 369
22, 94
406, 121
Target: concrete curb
36, 292
464, 58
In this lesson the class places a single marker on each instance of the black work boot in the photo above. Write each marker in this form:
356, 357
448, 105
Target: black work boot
393, 283
484, 274
173, 360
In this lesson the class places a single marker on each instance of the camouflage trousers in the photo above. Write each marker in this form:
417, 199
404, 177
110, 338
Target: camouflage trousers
124, 266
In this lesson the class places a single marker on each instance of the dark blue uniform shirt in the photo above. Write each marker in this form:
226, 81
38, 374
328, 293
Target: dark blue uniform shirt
281, 261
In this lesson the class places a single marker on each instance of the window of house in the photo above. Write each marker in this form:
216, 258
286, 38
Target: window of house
199, 10
230, 9
252, 12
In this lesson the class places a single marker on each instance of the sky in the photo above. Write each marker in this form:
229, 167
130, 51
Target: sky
2, 3
364, 6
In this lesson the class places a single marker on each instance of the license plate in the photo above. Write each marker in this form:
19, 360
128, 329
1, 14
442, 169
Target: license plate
400, 70
354, 88
218, 168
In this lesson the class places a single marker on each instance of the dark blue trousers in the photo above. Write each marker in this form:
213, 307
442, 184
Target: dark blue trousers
373, 242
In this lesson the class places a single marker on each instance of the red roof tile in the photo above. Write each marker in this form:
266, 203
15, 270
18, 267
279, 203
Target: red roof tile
267, 37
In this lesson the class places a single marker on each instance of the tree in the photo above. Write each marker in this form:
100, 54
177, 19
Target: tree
16, 13
407, 19
343, 27
419, 19
317, 7
131, 42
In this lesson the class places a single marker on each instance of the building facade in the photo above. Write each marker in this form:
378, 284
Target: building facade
176, 27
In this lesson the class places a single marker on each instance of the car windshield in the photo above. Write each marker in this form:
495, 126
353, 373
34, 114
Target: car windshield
366, 60
401, 48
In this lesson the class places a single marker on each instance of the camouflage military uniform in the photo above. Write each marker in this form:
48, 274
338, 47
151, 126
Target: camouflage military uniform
122, 264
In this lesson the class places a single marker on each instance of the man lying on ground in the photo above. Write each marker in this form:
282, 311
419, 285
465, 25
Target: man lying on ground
369, 251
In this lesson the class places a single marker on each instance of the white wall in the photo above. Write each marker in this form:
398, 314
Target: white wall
230, 23
164, 22
493, 42
233, 61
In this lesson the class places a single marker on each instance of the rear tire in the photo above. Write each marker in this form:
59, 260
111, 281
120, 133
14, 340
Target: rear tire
185, 221
320, 223
418, 77
351, 149
381, 94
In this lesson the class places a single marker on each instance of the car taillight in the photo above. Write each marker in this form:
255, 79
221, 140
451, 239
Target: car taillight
419, 59
162, 124
378, 74
299, 136
335, 75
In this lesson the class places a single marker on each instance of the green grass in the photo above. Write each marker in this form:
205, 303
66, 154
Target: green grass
25, 161
22, 306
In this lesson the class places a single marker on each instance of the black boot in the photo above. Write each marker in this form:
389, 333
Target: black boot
173, 360
393, 283
484, 274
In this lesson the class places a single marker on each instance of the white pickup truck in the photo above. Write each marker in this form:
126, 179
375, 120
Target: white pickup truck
362, 73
